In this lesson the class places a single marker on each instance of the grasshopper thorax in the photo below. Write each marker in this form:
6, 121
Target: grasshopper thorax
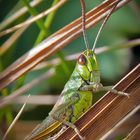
88, 67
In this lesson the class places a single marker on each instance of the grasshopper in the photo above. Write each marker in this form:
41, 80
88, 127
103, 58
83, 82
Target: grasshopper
77, 95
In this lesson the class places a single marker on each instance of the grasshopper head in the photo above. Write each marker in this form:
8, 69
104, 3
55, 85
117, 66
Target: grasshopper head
88, 67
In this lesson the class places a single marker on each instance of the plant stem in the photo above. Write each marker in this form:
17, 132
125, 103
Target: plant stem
34, 13
47, 24
7, 111
64, 63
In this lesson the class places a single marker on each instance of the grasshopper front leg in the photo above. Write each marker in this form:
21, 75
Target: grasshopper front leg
109, 88
96, 87
64, 108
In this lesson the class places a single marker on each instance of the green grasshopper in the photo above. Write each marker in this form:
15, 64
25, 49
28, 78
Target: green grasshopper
77, 95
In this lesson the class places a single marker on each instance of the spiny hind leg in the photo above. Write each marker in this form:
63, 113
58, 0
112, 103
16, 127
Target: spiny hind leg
61, 109
58, 134
75, 129
70, 125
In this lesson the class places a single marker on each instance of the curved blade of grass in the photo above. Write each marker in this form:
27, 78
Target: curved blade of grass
16, 118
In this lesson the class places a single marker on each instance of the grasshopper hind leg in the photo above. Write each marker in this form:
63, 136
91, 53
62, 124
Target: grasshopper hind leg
64, 109
69, 124
58, 134
75, 129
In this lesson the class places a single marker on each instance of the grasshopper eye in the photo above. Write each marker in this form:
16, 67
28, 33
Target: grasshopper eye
82, 59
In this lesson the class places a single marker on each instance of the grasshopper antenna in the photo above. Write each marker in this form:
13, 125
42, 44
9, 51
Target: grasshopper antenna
83, 23
103, 24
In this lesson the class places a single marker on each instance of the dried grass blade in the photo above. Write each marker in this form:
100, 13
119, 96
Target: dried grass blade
103, 49
120, 123
8, 43
16, 118
55, 42
33, 19
5, 100
36, 100
16, 15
